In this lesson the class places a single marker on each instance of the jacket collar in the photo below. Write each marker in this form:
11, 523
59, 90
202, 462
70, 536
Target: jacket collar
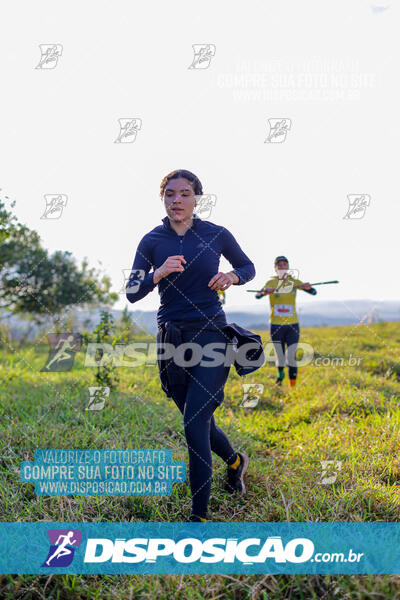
195, 223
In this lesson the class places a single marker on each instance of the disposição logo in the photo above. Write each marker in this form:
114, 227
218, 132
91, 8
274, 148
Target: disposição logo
63, 543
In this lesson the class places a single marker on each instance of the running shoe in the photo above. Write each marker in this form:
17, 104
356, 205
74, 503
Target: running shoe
234, 479
194, 519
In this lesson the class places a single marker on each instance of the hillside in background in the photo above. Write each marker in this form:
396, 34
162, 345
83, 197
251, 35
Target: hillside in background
311, 314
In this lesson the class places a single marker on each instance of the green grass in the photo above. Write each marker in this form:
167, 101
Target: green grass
337, 412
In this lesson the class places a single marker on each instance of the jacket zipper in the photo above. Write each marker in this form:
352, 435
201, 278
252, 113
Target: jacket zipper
180, 251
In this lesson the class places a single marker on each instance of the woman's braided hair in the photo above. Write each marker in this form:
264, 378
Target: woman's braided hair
195, 181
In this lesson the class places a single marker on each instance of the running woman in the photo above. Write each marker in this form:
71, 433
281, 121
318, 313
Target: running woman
184, 253
284, 323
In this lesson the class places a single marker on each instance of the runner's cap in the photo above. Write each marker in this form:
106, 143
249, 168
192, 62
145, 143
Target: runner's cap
278, 258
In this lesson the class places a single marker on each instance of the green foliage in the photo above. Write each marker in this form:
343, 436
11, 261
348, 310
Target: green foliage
106, 375
34, 281
5, 337
7, 221
126, 329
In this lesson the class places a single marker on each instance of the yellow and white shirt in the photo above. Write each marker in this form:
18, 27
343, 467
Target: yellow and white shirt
283, 301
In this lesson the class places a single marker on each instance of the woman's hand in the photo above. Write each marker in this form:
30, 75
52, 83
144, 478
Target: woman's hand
305, 286
171, 265
221, 281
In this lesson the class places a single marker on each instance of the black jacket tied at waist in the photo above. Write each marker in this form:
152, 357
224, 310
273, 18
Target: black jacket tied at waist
171, 333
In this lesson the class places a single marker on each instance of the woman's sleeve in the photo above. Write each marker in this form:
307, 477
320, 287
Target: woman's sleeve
242, 265
140, 281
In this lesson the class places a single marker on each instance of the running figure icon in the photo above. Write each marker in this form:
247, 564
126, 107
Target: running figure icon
62, 351
62, 550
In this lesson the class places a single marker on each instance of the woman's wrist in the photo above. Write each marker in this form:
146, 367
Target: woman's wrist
156, 276
233, 276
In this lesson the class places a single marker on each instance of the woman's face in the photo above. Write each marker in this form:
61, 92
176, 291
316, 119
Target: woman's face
179, 200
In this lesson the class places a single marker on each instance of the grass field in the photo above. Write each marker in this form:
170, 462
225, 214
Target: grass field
347, 413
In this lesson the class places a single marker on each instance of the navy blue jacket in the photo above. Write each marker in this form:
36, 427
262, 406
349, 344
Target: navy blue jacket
186, 295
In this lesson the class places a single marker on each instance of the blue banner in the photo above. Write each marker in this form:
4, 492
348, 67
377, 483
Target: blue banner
247, 548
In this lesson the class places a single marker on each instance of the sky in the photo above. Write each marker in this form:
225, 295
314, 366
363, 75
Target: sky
327, 71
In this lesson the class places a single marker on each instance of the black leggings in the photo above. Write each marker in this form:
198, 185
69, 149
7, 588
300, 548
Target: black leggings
197, 402
284, 336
